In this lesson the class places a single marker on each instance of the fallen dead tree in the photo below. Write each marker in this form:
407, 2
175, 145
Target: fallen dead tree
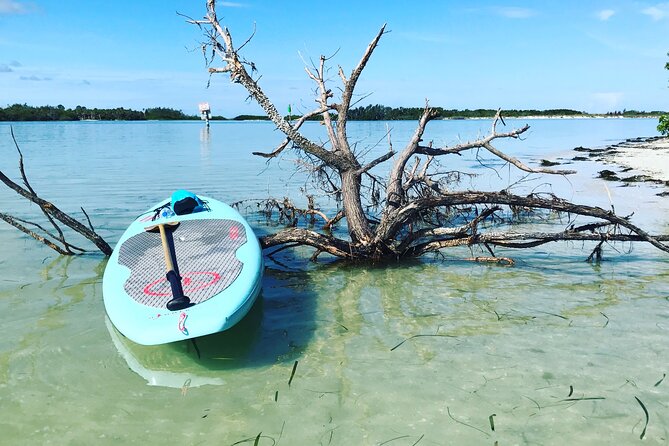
412, 210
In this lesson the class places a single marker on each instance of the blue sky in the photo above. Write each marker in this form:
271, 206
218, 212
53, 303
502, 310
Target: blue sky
594, 56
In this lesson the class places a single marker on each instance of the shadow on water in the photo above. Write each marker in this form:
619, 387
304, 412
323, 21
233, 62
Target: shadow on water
277, 329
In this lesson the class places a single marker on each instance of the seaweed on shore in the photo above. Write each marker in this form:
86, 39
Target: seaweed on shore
608, 175
641, 179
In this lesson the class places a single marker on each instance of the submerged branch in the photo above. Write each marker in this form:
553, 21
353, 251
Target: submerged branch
15, 222
499, 198
332, 245
522, 240
52, 213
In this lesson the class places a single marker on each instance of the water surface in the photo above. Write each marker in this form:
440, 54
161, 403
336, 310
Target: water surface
551, 351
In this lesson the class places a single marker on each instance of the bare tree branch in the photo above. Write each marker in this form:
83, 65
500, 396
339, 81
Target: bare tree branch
52, 213
395, 192
522, 240
13, 221
336, 247
522, 166
350, 84
324, 97
534, 202
304, 118
369, 166
515, 133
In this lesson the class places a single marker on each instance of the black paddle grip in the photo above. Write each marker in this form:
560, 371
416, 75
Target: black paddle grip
179, 301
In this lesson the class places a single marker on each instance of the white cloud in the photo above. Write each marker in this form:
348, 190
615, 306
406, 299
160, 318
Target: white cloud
232, 4
512, 12
605, 14
13, 7
657, 12
9, 67
35, 78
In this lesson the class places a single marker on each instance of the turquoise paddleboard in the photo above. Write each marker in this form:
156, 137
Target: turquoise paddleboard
214, 252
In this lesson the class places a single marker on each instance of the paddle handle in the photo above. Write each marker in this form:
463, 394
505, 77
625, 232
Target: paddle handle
166, 248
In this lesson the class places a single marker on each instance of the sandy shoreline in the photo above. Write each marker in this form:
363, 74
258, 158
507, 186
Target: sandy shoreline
637, 160
648, 155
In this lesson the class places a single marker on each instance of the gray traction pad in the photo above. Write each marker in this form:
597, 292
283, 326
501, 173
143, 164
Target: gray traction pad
205, 253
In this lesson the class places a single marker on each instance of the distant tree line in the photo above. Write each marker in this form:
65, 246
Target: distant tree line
250, 118
383, 113
23, 112
635, 114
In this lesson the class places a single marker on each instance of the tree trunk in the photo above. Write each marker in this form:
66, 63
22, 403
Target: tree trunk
358, 225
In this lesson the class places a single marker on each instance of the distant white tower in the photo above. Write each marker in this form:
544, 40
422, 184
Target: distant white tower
205, 111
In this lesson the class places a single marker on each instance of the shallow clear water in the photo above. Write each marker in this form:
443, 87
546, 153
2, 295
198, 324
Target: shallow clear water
551, 351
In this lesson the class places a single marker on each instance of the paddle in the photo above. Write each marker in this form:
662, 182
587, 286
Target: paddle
179, 301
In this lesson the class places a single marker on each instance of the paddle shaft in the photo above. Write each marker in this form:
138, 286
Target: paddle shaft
179, 301
166, 248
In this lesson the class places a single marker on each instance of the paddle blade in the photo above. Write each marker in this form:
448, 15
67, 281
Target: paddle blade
169, 225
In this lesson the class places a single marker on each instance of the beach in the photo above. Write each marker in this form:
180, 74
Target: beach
644, 156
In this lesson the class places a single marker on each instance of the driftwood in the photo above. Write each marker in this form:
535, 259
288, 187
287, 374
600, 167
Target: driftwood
54, 240
413, 210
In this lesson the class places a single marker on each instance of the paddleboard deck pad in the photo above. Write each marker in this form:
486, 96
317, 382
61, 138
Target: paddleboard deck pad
218, 258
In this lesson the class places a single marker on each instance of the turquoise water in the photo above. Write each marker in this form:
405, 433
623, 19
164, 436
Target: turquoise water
551, 351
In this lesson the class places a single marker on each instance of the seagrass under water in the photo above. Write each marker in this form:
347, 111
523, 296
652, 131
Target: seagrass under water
205, 254
534, 347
